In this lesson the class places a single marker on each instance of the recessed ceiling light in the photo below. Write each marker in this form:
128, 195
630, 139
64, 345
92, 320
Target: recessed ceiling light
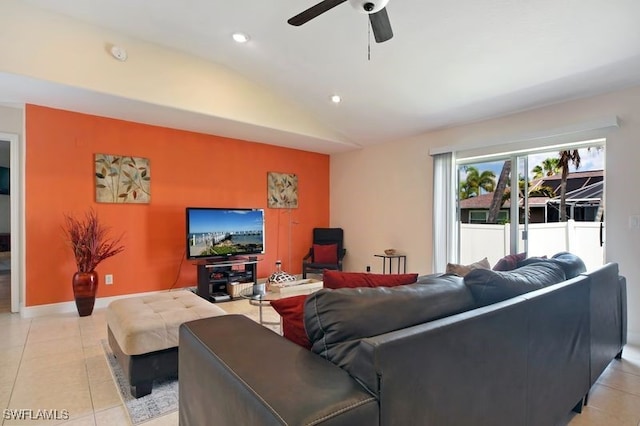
336, 99
240, 37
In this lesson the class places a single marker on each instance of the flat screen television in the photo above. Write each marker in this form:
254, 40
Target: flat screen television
214, 232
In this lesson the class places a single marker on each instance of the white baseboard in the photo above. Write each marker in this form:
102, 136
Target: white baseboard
68, 307
633, 338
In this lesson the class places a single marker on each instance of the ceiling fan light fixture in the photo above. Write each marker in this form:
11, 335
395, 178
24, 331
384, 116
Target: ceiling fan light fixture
240, 37
368, 6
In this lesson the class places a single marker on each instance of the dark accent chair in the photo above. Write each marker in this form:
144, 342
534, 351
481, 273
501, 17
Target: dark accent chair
324, 236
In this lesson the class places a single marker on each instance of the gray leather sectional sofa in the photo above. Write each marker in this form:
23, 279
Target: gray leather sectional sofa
438, 352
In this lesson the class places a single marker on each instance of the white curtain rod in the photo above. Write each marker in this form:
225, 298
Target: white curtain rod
599, 125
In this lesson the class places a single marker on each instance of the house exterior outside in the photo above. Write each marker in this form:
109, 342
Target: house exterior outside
584, 201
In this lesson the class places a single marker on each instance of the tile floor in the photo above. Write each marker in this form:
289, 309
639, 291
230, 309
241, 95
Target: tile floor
56, 362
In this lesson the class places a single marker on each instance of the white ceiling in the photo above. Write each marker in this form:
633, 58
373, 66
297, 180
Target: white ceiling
449, 62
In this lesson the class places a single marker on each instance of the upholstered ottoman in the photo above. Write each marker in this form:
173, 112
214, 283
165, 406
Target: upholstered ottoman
143, 334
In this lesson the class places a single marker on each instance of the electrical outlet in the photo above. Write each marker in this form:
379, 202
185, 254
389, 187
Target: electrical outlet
368, 268
108, 279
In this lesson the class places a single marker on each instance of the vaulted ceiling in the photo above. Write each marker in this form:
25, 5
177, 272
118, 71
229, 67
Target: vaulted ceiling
448, 62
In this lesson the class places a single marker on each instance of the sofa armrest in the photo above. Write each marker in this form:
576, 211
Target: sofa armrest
608, 317
234, 371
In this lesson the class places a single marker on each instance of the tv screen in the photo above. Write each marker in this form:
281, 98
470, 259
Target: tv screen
213, 232
4, 180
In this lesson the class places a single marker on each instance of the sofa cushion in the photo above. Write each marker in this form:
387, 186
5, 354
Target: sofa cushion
462, 270
570, 263
509, 262
530, 260
325, 253
291, 311
337, 319
339, 279
490, 286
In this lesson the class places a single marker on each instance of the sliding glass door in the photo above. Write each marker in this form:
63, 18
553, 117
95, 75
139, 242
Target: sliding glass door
539, 202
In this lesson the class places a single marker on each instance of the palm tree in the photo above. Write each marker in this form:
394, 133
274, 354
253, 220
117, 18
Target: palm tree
565, 159
475, 182
532, 191
497, 201
548, 167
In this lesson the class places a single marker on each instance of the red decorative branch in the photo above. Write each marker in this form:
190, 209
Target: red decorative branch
89, 241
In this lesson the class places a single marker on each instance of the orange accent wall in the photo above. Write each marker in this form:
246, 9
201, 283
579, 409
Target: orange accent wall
187, 169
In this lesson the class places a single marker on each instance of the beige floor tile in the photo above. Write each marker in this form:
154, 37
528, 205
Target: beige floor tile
93, 339
13, 335
619, 379
51, 350
10, 363
64, 387
92, 351
9, 318
104, 395
592, 416
112, 416
614, 402
66, 328
89, 420
98, 369
628, 365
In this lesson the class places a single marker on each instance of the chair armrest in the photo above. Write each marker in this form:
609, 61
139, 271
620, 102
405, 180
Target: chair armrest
341, 254
234, 371
309, 255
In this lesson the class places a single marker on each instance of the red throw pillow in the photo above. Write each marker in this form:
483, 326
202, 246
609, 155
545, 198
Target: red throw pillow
325, 253
291, 309
509, 262
338, 279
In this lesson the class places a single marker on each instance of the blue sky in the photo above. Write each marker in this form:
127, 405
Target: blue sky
219, 220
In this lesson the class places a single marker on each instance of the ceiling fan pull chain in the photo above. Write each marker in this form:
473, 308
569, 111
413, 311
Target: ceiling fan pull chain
368, 40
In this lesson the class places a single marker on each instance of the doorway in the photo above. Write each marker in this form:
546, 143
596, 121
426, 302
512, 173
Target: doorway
5, 227
14, 201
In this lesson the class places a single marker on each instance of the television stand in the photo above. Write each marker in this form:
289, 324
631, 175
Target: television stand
215, 275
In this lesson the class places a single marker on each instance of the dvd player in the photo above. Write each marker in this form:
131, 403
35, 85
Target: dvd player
219, 297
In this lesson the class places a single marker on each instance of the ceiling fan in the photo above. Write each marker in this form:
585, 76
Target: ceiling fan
374, 8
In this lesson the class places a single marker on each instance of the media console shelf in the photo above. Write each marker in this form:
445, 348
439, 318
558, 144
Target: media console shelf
214, 275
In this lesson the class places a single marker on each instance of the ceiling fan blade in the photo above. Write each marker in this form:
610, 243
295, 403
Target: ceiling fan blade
380, 25
314, 11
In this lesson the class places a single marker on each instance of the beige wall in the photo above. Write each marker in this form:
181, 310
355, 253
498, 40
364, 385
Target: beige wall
382, 195
11, 120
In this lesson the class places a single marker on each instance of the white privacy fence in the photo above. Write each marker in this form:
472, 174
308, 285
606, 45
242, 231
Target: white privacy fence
545, 239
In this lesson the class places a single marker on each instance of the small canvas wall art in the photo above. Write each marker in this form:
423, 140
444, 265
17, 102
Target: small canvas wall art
282, 189
121, 179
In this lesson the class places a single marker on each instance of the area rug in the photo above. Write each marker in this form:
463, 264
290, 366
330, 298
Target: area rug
162, 400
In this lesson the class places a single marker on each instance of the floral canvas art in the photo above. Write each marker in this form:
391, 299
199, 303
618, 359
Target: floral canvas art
121, 179
282, 190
